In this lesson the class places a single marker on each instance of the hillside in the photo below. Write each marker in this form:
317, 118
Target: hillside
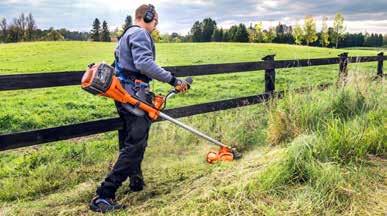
318, 153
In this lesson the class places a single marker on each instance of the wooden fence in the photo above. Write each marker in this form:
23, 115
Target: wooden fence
268, 64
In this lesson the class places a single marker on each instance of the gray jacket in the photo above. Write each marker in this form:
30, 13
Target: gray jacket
136, 53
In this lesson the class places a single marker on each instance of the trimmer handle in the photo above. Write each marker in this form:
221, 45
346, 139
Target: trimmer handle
188, 80
172, 92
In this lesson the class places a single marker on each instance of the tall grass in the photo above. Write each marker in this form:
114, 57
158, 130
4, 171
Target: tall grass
316, 161
326, 133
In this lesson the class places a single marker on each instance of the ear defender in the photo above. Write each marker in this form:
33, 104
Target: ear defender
149, 14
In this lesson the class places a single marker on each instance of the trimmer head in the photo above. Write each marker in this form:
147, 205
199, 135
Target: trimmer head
224, 154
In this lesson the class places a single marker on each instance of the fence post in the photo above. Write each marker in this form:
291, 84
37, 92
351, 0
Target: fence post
269, 73
380, 64
343, 67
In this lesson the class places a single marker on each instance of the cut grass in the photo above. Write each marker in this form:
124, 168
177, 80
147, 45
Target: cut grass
315, 172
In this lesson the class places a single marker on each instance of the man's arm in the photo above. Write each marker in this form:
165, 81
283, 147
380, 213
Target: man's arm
141, 46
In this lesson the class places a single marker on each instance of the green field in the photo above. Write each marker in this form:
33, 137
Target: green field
320, 153
65, 56
40, 108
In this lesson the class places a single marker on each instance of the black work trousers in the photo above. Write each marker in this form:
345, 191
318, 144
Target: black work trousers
132, 143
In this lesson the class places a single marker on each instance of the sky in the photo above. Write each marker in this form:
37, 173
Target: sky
179, 15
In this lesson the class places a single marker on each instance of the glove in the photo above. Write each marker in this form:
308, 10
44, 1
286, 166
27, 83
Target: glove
179, 84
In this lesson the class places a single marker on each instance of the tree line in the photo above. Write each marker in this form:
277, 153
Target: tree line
306, 34
24, 28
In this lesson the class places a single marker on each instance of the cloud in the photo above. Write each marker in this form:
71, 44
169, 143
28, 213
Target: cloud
178, 16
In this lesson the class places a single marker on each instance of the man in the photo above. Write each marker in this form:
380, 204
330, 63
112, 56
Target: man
135, 67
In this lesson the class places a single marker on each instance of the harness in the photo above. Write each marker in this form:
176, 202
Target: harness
126, 76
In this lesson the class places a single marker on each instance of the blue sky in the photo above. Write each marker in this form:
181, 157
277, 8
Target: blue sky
178, 16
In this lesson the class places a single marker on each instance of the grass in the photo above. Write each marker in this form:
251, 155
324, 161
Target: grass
379, 49
314, 153
41, 108
67, 56
335, 165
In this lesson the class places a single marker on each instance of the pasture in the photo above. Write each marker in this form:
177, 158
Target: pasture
315, 153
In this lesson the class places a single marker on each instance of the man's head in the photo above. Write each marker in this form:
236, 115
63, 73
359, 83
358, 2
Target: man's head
147, 17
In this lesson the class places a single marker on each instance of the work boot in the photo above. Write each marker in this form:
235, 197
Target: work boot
136, 183
103, 205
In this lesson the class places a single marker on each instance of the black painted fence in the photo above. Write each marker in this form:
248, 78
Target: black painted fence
56, 79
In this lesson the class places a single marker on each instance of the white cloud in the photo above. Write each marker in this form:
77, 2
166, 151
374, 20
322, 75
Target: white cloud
131, 5
178, 16
28, 2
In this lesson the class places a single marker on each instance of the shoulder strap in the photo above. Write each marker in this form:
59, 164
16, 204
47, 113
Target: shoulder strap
127, 30
119, 37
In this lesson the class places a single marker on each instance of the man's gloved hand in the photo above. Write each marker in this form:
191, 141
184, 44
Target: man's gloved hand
179, 84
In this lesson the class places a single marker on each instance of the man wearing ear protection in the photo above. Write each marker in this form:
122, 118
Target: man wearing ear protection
135, 67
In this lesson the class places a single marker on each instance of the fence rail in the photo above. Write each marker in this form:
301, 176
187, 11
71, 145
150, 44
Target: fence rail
56, 79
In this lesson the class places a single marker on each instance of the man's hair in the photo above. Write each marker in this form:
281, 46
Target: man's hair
140, 11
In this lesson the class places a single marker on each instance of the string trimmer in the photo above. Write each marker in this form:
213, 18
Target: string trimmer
99, 79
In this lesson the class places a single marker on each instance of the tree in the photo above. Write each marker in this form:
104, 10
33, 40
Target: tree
385, 40
284, 34
298, 34
252, 34
187, 38
175, 37
53, 35
31, 27
105, 35
96, 31
256, 34
21, 24
217, 36
196, 32
226, 36
241, 35
338, 28
208, 27
232, 33
380, 40
165, 38
128, 23
310, 30
3, 30
156, 36
269, 35
324, 32
15, 33
352, 40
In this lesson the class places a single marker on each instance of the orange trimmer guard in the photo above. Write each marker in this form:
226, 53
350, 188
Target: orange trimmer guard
224, 154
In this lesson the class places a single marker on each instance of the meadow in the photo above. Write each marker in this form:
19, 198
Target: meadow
41, 108
326, 156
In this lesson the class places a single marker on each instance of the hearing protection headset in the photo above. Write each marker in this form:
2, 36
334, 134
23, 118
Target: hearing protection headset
149, 14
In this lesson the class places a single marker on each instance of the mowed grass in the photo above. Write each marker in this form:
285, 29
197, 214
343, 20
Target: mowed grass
40, 108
